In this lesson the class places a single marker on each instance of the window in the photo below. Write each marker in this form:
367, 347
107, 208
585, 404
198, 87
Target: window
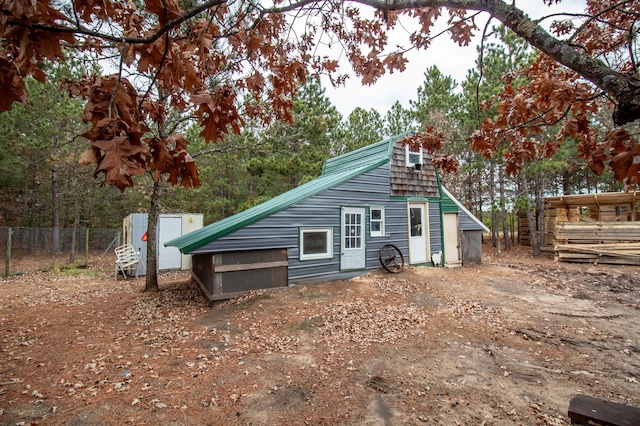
316, 243
353, 229
376, 218
414, 158
416, 221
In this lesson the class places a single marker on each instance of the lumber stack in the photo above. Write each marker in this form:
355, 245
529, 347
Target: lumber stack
598, 242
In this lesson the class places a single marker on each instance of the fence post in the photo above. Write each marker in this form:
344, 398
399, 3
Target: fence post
7, 266
86, 248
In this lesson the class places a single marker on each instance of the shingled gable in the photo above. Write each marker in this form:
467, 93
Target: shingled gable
335, 171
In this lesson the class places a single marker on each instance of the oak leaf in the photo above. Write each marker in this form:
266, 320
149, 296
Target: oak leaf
167, 10
11, 86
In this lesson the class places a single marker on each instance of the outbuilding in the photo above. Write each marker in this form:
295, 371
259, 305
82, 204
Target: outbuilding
170, 226
333, 226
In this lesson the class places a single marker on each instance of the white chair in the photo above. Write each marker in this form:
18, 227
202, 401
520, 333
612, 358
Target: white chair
128, 259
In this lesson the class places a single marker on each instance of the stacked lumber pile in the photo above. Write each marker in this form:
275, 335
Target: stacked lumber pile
524, 236
598, 242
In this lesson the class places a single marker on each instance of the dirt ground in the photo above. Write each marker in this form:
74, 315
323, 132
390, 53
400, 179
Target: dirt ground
507, 342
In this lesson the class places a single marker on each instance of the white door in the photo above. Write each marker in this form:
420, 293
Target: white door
451, 239
353, 254
168, 229
417, 234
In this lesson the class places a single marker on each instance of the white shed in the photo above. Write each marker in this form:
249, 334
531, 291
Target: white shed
170, 226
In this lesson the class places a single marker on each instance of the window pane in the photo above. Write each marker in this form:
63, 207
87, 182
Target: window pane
314, 242
415, 158
376, 214
416, 222
375, 227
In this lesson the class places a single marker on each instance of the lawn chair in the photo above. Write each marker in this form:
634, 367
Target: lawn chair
128, 259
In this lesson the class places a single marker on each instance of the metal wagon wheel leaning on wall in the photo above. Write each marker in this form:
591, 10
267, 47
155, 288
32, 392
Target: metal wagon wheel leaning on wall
391, 258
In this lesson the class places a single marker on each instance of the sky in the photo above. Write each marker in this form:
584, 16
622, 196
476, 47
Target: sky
451, 59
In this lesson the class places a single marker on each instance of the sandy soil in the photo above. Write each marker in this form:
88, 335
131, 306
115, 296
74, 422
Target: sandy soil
507, 342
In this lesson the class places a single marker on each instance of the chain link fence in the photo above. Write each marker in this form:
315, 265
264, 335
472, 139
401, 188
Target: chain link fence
33, 249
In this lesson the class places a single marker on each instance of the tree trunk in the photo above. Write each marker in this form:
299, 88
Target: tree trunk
531, 218
72, 253
76, 219
492, 199
503, 209
566, 183
151, 282
540, 207
55, 210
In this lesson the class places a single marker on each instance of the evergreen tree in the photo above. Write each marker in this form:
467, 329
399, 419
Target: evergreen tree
292, 153
399, 120
362, 128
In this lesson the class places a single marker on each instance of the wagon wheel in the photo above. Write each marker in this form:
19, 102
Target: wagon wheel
391, 258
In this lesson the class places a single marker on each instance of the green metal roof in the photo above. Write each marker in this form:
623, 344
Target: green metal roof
335, 171
200, 237
380, 151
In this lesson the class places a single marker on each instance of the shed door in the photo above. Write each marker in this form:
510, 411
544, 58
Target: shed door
451, 239
168, 229
353, 254
417, 234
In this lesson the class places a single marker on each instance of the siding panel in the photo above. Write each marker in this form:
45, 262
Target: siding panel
467, 223
281, 230
435, 228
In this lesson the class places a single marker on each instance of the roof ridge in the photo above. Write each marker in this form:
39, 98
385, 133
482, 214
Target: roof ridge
362, 156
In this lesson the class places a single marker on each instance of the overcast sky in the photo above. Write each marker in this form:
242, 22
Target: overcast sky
450, 58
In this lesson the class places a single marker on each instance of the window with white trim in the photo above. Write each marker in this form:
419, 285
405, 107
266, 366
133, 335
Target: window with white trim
316, 243
376, 221
414, 158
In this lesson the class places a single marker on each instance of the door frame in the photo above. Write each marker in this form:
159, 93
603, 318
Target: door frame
448, 232
362, 211
423, 256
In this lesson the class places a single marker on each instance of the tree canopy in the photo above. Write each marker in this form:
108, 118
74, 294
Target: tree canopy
226, 62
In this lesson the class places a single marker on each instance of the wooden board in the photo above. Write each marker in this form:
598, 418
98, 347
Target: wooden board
586, 410
598, 242
580, 200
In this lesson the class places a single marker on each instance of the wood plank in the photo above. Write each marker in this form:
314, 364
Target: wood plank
596, 251
587, 410
204, 288
592, 258
606, 246
249, 266
588, 200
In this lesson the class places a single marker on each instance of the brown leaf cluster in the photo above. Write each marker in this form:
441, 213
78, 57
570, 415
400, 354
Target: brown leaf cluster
556, 96
116, 131
431, 141
119, 146
210, 58
24, 47
198, 63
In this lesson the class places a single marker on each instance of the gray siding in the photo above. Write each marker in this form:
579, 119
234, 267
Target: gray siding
281, 230
435, 228
467, 223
